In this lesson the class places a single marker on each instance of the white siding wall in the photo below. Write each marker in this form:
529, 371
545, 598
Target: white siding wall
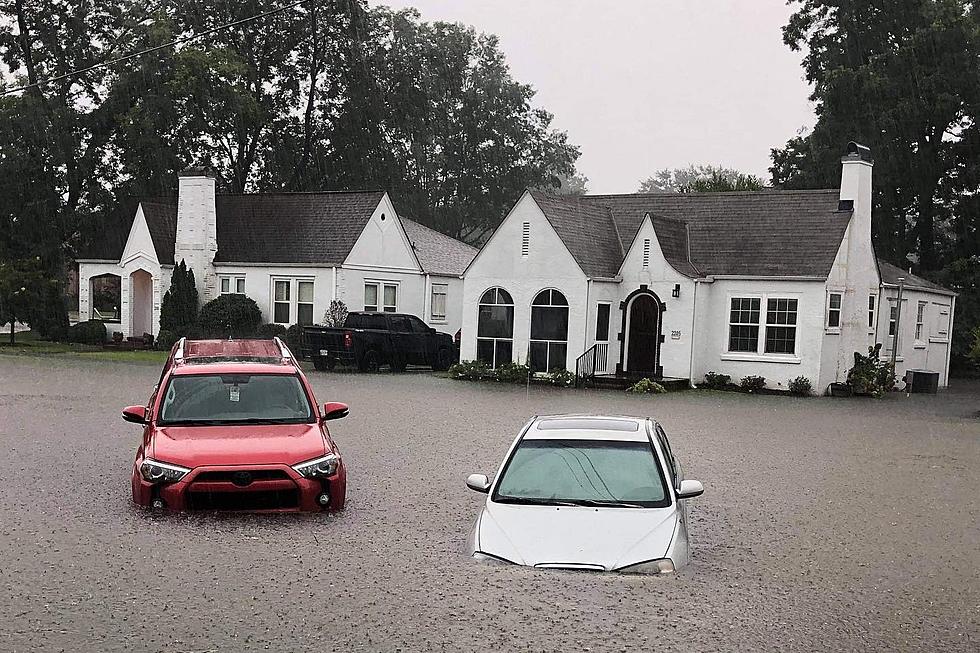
711, 349
258, 286
548, 265
931, 350
454, 304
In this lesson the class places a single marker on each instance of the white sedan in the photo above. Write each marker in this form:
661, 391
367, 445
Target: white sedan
588, 493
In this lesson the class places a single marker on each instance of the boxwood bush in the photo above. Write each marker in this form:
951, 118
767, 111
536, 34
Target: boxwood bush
801, 387
646, 387
90, 332
753, 383
270, 331
716, 381
235, 316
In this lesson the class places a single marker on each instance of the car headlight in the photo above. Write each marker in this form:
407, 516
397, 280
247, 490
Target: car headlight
490, 559
155, 471
661, 566
319, 467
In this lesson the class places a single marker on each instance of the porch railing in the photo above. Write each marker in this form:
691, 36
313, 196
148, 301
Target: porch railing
591, 362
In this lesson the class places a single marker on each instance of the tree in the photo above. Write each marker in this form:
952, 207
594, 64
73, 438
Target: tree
336, 315
24, 285
179, 308
700, 179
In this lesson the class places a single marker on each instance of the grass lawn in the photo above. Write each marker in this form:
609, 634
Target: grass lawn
27, 343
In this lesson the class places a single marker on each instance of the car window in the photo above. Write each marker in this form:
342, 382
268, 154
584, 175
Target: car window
418, 325
401, 324
671, 462
583, 471
367, 322
235, 398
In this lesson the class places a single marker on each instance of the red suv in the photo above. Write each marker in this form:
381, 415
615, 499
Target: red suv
234, 425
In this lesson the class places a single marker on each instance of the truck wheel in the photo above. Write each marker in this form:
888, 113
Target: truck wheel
369, 362
444, 360
397, 363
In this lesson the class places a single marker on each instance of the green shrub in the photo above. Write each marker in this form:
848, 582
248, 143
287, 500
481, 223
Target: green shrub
716, 381
91, 332
512, 373
801, 386
234, 316
294, 339
752, 383
336, 315
871, 375
646, 386
178, 310
470, 371
165, 340
561, 378
269, 331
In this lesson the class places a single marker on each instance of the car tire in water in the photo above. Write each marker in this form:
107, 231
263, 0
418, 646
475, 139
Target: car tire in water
322, 363
444, 359
397, 363
369, 362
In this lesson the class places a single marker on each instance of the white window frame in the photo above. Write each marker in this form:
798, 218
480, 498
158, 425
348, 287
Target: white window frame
234, 281
872, 312
381, 285
942, 323
442, 290
293, 298
920, 325
890, 340
833, 328
760, 353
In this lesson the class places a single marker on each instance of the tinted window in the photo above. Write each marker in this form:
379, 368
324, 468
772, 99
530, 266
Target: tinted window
366, 321
401, 324
235, 398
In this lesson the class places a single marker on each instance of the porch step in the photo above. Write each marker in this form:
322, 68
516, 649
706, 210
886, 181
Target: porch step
623, 381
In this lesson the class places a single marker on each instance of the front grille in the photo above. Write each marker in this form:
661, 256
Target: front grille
228, 476
262, 500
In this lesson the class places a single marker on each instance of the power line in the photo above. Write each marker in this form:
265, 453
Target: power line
174, 43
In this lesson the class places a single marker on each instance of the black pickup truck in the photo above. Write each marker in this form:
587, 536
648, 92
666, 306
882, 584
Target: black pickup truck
370, 340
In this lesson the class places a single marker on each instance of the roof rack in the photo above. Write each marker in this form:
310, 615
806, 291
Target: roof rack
214, 353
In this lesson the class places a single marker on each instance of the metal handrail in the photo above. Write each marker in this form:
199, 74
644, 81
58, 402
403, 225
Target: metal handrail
585, 365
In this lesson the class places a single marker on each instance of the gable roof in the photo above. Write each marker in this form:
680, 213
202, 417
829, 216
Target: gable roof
437, 252
161, 220
108, 240
761, 233
890, 275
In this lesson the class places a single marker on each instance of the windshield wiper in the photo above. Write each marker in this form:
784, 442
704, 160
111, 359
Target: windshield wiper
232, 422
600, 503
535, 501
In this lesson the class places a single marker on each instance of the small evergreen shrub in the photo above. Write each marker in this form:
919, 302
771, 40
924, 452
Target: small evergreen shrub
753, 383
561, 378
336, 315
90, 332
470, 371
294, 338
165, 340
235, 316
716, 381
870, 375
801, 387
178, 310
512, 373
646, 386
269, 331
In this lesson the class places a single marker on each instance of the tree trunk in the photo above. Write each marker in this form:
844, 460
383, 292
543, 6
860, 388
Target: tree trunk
11, 330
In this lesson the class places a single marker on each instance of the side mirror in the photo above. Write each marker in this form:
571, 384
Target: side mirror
335, 410
135, 414
478, 482
690, 489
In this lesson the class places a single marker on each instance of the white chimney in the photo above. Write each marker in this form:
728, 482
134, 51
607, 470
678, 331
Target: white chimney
855, 185
197, 239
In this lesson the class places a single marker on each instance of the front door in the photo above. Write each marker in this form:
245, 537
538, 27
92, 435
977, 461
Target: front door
644, 335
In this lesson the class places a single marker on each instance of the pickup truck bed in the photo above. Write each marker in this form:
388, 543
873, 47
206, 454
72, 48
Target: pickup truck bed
371, 340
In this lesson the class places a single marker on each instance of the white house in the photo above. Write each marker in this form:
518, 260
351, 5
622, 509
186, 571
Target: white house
779, 284
293, 253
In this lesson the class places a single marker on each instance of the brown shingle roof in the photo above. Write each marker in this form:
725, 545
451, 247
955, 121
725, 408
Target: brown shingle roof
587, 231
437, 252
891, 273
161, 220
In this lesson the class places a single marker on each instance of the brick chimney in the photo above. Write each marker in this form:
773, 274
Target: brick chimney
197, 241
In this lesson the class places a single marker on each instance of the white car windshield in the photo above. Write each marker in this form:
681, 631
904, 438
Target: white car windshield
203, 399
583, 472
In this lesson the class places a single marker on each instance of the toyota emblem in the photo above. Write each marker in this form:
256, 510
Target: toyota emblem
241, 479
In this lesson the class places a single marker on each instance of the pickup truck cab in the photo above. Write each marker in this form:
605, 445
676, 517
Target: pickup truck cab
369, 340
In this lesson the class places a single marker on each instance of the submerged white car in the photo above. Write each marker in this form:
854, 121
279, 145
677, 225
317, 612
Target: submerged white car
586, 493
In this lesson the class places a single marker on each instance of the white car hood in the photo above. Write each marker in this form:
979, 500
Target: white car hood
575, 535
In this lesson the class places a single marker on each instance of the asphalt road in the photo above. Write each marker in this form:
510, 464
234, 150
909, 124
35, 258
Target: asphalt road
826, 524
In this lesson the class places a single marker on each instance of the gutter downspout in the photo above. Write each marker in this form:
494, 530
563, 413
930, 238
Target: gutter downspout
898, 321
949, 339
334, 293
694, 324
588, 304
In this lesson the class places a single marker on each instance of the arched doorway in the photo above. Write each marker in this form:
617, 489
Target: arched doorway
141, 302
643, 325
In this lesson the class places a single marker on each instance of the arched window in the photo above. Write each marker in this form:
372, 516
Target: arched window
549, 331
105, 297
495, 328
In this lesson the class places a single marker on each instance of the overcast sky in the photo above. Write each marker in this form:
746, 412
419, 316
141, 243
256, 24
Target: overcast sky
642, 85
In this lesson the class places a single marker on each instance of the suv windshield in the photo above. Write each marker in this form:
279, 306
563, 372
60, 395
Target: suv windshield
583, 472
202, 399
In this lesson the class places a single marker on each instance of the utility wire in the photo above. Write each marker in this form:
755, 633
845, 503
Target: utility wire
174, 43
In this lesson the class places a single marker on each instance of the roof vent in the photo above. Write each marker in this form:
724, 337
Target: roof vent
646, 252
526, 239
845, 205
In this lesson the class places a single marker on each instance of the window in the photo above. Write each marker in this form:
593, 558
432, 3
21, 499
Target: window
942, 322
920, 314
646, 252
438, 309
292, 301
304, 302
602, 323
495, 328
872, 304
105, 297
231, 285
388, 293
401, 324
549, 332
781, 326
743, 329
526, 240
280, 302
833, 310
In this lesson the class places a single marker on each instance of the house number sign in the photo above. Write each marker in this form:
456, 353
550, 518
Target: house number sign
675, 335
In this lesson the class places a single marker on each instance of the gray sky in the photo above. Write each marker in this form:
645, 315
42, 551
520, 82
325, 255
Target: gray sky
642, 85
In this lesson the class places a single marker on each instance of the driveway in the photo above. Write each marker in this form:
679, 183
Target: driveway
826, 525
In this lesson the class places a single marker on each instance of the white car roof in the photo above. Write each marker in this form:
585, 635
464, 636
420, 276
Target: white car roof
588, 427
